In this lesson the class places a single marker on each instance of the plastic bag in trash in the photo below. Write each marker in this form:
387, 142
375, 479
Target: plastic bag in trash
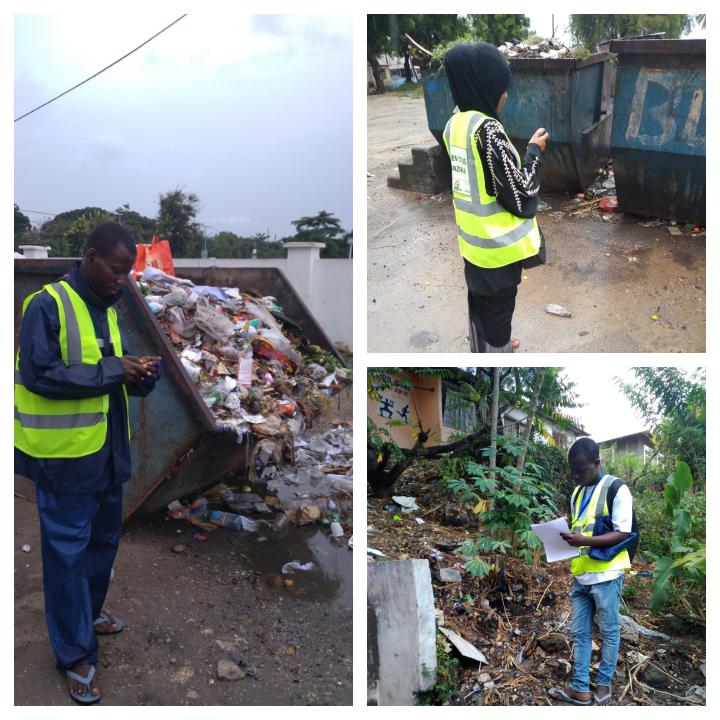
212, 321
179, 323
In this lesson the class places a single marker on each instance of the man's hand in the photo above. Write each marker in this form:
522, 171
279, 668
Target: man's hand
574, 539
134, 369
151, 365
541, 138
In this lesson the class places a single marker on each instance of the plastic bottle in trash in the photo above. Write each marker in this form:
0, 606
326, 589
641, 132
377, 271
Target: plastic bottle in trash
245, 366
226, 519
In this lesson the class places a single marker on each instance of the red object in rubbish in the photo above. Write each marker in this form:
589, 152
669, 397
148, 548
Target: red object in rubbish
158, 255
609, 203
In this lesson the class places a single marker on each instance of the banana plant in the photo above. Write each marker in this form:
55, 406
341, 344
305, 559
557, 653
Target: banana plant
688, 558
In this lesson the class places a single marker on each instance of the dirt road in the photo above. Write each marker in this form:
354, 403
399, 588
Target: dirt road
612, 277
186, 611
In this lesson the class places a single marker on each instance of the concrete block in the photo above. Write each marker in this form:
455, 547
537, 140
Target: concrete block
429, 171
401, 631
450, 575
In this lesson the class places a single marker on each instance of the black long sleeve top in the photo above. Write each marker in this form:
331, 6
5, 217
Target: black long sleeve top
516, 189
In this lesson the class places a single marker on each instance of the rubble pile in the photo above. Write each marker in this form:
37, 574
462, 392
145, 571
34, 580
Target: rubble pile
547, 49
250, 368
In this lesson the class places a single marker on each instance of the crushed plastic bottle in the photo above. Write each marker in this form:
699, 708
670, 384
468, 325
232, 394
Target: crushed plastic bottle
229, 520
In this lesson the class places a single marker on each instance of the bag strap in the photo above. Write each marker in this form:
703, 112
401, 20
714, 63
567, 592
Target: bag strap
615, 485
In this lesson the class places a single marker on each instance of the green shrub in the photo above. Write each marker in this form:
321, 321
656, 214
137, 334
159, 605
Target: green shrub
506, 506
447, 679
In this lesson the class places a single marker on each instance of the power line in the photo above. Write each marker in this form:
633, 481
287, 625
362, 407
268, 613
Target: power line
37, 212
30, 112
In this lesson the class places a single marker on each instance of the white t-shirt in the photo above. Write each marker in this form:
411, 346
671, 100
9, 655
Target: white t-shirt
622, 522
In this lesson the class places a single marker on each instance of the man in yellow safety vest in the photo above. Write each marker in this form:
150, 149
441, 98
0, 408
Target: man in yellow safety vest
597, 583
72, 438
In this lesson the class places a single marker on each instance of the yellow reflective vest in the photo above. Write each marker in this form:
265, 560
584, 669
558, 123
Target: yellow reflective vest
489, 236
46, 428
595, 508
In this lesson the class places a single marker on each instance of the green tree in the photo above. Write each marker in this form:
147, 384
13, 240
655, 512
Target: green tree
267, 248
672, 402
325, 228
497, 29
589, 30
23, 227
141, 228
229, 245
385, 34
175, 222
67, 233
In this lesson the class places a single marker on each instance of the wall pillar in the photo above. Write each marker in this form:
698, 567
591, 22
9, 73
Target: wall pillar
302, 258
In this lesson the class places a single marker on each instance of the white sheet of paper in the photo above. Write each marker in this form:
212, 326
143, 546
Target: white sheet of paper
555, 547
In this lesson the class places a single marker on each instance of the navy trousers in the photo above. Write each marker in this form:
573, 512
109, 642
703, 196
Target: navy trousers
79, 541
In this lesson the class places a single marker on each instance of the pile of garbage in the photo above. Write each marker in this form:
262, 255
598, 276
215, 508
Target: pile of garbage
319, 485
316, 486
547, 49
248, 362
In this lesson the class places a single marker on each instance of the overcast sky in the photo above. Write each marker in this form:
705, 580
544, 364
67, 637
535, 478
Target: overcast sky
542, 24
252, 114
607, 413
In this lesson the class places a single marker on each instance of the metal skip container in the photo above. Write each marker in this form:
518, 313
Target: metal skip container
176, 447
568, 97
658, 140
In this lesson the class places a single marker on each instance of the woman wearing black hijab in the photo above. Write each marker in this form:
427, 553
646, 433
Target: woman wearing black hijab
495, 196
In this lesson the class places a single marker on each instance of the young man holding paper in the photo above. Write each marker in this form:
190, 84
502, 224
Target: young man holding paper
601, 527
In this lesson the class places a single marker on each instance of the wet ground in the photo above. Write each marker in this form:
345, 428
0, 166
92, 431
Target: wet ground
298, 641
613, 277
185, 611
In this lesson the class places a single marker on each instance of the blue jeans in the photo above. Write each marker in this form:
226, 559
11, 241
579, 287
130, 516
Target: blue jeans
603, 598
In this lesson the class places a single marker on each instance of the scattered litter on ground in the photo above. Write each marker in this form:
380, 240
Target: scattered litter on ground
465, 648
609, 203
407, 504
291, 567
313, 486
518, 616
558, 310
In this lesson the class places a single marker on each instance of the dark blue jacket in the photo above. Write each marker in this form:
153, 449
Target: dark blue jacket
44, 373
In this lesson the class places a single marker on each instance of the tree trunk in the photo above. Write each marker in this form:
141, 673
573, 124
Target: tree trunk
382, 478
531, 415
376, 71
494, 420
408, 69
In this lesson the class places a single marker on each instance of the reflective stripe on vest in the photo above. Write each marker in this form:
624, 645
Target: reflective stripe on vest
46, 428
488, 235
596, 508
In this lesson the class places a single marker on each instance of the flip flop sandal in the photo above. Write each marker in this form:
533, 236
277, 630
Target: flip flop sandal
554, 692
107, 619
87, 698
602, 700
